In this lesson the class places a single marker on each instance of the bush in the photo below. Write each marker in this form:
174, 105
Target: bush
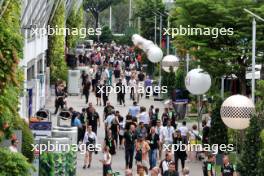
56, 57
248, 162
27, 139
106, 36
13, 164
218, 132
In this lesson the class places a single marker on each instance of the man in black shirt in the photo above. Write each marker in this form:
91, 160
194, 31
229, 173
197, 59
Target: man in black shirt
153, 141
129, 142
93, 118
227, 169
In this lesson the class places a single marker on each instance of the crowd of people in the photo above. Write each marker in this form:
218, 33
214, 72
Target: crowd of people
143, 131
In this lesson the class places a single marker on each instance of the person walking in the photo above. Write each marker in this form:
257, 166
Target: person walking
93, 118
178, 153
107, 169
110, 142
227, 168
153, 141
90, 141
129, 143
86, 89
142, 149
121, 92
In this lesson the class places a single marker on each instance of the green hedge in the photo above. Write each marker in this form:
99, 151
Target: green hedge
13, 164
10, 53
56, 45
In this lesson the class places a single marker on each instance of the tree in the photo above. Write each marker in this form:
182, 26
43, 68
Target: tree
169, 80
75, 20
261, 157
56, 42
106, 36
145, 10
97, 6
218, 132
248, 162
11, 47
219, 54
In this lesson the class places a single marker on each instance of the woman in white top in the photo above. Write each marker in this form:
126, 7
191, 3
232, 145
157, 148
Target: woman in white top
107, 170
90, 141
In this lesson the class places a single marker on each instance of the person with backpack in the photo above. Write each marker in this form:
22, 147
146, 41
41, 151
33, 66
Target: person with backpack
227, 168
208, 167
193, 138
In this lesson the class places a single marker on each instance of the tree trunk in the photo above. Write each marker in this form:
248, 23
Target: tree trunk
243, 85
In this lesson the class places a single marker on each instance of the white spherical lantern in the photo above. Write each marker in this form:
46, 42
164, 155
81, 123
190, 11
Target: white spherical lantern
147, 44
154, 54
138, 40
197, 82
236, 111
170, 61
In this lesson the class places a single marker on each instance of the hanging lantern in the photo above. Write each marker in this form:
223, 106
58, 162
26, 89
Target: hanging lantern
154, 54
147, 44
138, 40
236, 111
197, 82
170, 61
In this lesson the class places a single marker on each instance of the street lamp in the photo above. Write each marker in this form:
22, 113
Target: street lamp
253, 51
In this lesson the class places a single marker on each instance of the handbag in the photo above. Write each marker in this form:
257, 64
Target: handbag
138, 156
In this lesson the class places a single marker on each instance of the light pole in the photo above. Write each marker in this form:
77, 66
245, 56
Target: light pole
130, 13
253, 51
110, 18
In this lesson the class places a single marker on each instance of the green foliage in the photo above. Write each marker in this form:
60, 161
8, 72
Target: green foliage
169, 80
223, 54
126, 38
58, 163
97, 6
180, 78
46, 164
10, 77
106, 36
144, 10
13, 164
218, 132
260, 95
74, 21
261, 158
56, 47
27, 139
247, 165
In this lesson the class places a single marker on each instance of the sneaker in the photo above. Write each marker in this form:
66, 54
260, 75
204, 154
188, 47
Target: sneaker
88, 166
84, 167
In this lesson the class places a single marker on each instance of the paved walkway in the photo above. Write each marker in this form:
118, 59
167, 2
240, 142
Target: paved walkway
118, 161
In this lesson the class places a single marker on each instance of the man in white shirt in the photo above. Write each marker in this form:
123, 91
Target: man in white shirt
167, 133
184, 131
